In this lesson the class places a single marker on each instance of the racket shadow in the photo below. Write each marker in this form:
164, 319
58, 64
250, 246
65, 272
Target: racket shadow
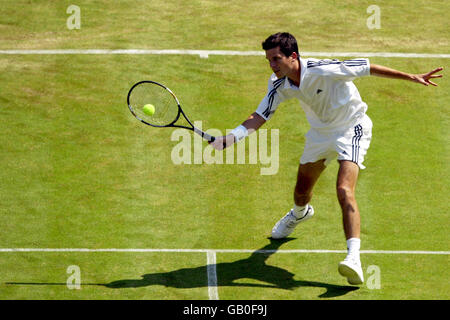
234, 274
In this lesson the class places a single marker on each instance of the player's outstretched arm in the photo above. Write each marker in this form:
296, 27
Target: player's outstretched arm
253, 123
382, 71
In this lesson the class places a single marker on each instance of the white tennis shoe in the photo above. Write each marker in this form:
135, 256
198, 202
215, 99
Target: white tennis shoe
287, 224
351, 269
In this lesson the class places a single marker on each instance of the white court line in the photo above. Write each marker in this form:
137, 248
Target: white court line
212, 275
207, 53
219, 250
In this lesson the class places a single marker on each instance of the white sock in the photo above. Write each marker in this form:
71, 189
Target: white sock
299, 211
353, 246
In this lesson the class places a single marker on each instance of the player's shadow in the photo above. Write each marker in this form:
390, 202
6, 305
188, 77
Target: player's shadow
234, 274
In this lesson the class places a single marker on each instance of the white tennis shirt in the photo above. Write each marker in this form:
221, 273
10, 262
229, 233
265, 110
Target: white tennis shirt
327, 94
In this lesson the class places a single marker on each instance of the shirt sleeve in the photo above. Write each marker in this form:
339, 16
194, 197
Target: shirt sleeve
271, 100
346, 70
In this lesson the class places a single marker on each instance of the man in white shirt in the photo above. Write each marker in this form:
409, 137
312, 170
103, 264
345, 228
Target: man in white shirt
340, 129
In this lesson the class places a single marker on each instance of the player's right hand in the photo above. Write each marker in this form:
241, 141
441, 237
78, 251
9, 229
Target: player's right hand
222, 142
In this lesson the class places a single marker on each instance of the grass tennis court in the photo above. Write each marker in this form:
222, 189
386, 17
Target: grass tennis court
78, 171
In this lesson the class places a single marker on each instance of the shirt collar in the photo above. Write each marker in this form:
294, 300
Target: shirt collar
288, 84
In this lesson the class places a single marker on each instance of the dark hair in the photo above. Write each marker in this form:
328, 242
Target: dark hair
284, 40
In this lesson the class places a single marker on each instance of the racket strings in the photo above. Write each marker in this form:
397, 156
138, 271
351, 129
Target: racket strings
166, 107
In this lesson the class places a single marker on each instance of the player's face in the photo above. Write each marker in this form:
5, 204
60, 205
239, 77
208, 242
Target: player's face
279, 63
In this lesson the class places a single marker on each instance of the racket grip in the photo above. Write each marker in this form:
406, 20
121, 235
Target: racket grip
204, 135
209, 138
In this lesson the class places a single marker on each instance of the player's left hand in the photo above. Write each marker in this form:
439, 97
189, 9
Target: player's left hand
425, 78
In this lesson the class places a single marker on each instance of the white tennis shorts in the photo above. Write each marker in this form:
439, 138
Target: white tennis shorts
349, 144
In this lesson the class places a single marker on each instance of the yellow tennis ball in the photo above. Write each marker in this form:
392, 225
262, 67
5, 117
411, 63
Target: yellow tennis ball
149, 109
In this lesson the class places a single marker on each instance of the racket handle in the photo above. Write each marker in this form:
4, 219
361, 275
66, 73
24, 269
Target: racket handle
204, 135
209, 138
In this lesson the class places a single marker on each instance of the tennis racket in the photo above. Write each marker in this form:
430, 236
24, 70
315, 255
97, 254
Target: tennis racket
167, 107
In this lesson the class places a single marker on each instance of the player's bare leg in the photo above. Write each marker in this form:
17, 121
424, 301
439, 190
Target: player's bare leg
346, 186
307, 176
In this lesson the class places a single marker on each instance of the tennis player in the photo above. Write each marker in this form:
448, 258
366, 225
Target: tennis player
340, 128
